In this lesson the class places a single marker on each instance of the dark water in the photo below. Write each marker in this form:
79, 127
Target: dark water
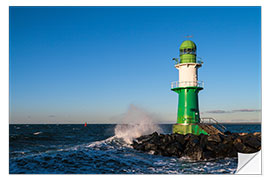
95, 149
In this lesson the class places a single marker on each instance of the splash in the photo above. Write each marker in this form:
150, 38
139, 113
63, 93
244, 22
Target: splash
136, 122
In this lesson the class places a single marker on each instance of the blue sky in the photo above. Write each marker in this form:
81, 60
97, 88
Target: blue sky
77, 64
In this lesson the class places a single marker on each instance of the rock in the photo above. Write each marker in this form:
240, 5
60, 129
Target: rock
189, 136
169, 138
227, 133
241, 148
158, 152
194, 141
139, 147
211, 146
232, 153
180, 139
234, 136
146, 138
134, 144
172, 150
227, 139
194, 153
193, 149
257, 134
198, 147
237, 140
226, 150
203, 140
141, 138
191, 139
162, 147
150, 146
208, 155
252, 142
164, 140
179, 146
214, 138
244, 149
222, 136
243, 134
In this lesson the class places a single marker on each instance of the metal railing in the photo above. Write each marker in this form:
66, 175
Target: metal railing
177, 84
177, 61
210, 120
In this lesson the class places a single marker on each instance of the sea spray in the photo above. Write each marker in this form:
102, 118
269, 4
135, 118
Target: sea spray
135, 123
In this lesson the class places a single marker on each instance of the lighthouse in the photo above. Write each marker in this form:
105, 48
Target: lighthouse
187, 88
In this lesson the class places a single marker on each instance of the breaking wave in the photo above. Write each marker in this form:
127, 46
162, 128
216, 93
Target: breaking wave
136, 122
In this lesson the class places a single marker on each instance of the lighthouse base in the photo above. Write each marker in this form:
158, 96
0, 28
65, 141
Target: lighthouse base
188, 129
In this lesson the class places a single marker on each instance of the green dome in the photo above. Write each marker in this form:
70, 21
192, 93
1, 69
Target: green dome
188, 52
188, 45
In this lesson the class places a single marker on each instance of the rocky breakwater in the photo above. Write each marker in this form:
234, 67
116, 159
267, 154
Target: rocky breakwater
202, 147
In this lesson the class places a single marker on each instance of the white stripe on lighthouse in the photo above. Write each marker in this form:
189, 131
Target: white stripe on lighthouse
188, 74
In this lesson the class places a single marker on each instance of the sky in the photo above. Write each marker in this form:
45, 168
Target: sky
94, 64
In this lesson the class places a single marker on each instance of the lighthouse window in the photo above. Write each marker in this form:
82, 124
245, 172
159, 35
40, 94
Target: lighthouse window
181, 51
188, 51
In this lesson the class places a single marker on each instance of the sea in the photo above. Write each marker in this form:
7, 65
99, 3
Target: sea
102, 149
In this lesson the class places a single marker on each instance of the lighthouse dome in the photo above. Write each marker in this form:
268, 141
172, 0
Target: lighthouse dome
188, 52
188, 45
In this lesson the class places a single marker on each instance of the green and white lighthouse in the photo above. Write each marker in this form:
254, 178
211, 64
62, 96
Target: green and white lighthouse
188, 87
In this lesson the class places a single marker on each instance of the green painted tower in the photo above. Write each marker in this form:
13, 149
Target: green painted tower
188, 87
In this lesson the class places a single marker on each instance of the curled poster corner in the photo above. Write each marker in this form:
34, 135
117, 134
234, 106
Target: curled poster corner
249, 163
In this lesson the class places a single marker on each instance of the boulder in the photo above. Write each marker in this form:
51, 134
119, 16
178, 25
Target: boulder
242, 134
180, 138
158, 152
194, 153
234, 136
208, 155
149, 147
240, 147
226, 150
172, 150
227, 139
258, 136
227, 133
193, 149
237, 140
187, 137
211, 146
166, 139
232, 152
253, 142
139, 147
214, 138
203, 140
256, 133
151, 137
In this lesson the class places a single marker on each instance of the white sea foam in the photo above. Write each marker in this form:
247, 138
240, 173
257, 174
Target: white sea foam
135, 123
36, 133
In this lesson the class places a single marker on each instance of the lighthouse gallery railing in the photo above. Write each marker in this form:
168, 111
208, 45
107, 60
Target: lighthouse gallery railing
177, 84
210, 120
